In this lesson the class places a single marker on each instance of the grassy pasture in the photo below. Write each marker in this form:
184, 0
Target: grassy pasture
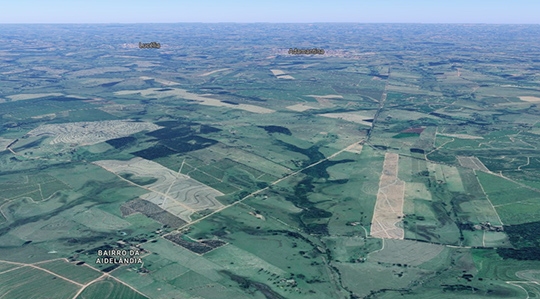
174, 253
37, 107
490, 265
81, 274
109, 288
515, 204
449, 175
6, 266
470, 182
406, 252
26, 283
431, 223
197, 285
347, 249
98, 219
363, 278
478, 211
37, 187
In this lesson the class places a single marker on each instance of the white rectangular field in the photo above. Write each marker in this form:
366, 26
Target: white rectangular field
390, 198
174, 192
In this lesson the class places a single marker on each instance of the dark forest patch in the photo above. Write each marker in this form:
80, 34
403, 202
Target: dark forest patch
121, 142
276, 129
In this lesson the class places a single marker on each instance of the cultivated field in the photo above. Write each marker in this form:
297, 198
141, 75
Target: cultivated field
99, 70
461, 136
300, 107
406, 252
87, 133
80, 273
109, 288
160, 81
530, 99
176, 193
389, 206
354, 117
28, 282
472, 163
30, 96
183, 94
213, 72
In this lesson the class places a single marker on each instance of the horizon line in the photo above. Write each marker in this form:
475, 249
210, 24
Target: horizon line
232, 22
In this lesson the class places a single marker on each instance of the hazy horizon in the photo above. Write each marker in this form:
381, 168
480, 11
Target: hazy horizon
277, 11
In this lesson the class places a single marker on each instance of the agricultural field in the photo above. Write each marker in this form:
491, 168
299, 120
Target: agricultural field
109, 289
28, 282
402, 163
389, 206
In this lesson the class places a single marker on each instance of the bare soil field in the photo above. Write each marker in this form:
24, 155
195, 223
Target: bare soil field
530, 99
183, 94
281, 75
87, 133
4, 143
175, 193
354, 117
330, 96
287, 77
100, 81
31, 96
300, 107
213, 72
461, 136
122, 109
278, 72
325, 100
472, 162
390, 198
355, 148
160, 81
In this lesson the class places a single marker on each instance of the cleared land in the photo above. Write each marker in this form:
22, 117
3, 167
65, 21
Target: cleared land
355, 148
31, 96
213, 72
183, 94
389, 206
530, 99
300, 107
4, 143
472, 163
278, 72
461, 136
87, 133
281, 74
330, 96
175, 193
160, 81
354, 117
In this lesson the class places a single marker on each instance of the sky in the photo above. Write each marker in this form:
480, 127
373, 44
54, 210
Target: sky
273, 11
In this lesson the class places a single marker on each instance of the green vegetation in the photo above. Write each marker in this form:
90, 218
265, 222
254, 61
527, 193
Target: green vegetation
27, 282
295, 191
109, 288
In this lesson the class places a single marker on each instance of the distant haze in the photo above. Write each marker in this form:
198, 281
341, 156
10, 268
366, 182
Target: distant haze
276, 11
